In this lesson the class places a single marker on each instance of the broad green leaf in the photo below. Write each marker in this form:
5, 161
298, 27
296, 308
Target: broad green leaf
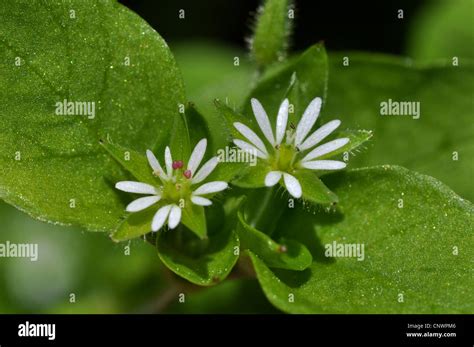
53, 166
132, 161
288, 254
303, 77
201, 261
271, 32
314, 190
443, 30
417, 237
439, 143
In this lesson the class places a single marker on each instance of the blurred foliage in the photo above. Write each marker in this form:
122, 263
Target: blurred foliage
232, 296
89, 265
443, 29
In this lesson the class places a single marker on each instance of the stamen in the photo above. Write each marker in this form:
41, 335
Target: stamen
187, 174
177, 164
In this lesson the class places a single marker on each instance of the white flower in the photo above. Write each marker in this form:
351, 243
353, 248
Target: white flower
286, 158
178, 186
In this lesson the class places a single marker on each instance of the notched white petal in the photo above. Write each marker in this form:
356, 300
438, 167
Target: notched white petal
329, 147
263, 121
197, 155
292, 185
174, 217
282, 120
168, 162
160, 217
154, 163
199, 200
205, 170
136, 187
211, 187
319, 135
272, 178
250, 135
307, 121
324, 165
142, 203
247, 147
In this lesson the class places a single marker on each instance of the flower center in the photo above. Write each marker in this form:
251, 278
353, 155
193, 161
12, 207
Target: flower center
179, 186
284, 158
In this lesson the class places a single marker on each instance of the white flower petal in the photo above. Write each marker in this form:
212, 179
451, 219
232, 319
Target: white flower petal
197, 155
324, 165
136, 187
211, 187
328, 147
247, 147
142, 203
174, 217
251, 136
199, 200
154, 163
262, 120
282, 120
205, 170
159, 218
168, 162
272, 178
319, 135
292, 185
307, 120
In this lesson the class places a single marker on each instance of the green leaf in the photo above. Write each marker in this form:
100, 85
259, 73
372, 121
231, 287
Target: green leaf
204, 262
252, 176
271, 32
301, 79
53, 166
132, 161
443, 30
135, 224
356, 139
314, 190
289, 254
194, 218
417, 258
428, 144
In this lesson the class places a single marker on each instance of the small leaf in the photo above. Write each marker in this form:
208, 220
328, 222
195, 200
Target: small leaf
416, 238
132, 161
204, 262
271, 32
135, 224
289, 254
252, 176
194, 218
231, 116
314, 190
356, 139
